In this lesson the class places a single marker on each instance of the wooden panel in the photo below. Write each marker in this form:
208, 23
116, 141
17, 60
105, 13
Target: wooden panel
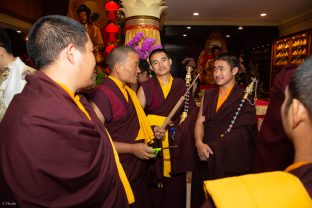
27, 10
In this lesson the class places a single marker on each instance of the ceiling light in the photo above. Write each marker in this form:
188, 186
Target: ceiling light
227, 36
188, 27
263, 14
240, 27
184, 35
18, 31
195, 13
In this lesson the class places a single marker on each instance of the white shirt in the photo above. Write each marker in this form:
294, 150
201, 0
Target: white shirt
13, 84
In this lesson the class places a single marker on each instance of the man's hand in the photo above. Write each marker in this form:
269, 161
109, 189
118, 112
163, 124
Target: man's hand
143, 151
203, 151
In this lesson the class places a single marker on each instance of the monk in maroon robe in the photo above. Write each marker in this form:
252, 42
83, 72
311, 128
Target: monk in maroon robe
274, 150
296, 114
54, 151
116, 108
296, 120
172, 193
223, 154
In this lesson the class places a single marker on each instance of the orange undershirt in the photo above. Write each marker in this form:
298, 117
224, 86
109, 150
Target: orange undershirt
296, 165
222, 98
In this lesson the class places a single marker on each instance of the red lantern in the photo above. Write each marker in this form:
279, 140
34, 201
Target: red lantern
111, 28
109, 48
111, 7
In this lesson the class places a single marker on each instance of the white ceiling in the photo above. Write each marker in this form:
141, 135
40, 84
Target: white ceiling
234, 12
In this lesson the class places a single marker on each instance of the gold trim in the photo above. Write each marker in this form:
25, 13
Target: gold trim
142, 17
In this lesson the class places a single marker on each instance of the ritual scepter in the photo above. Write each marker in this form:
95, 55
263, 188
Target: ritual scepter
178, 104
248, 91
188, 79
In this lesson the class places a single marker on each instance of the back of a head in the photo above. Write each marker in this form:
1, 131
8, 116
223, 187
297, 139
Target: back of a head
232, 60
50, 35
118, 55
5, 41
300, 85
144, 66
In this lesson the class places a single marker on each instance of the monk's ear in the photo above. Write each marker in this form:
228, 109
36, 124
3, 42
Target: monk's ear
2, 50
234, 71
151, 68
170, 61
117, 68
299, 113
70, 53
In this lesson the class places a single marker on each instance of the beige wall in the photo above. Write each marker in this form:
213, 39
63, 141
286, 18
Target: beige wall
297, 24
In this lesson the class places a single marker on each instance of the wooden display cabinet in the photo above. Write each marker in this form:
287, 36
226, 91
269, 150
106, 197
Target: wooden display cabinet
292, 49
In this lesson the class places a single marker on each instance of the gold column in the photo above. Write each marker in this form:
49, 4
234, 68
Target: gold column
143, 16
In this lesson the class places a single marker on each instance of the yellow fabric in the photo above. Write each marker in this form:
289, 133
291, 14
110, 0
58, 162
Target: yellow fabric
264, 190
76, 99
120, 169
158, 121
145, 131
121, 86
122, 174
166, 88
221, 99
296, 165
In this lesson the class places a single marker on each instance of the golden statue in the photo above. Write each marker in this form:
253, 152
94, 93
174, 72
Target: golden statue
94, 31
214, 45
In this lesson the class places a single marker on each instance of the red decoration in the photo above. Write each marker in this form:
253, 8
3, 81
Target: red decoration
109, 48
111, 7
111, 28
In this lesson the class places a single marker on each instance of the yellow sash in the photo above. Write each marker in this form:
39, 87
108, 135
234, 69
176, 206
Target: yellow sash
264, 190
158, 121
145, 131
120, 169
122, 174
166, 88
76, 99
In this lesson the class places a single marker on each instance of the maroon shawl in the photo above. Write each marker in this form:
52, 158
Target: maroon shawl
52, 155
182, 157
122, 122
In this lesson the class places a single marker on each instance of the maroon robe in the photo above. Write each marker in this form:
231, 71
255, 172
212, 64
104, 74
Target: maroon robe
233, 153
173, 192
52, 155
122, 123
274, 150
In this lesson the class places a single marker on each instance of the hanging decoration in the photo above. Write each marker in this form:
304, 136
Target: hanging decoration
111, 29
112, 7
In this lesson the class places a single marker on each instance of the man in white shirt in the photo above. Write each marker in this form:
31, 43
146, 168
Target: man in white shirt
12, 73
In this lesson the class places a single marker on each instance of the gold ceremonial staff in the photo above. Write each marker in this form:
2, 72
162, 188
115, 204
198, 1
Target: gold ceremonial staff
179, 103
248, 91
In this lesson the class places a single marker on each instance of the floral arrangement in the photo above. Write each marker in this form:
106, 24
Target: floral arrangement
147, 45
